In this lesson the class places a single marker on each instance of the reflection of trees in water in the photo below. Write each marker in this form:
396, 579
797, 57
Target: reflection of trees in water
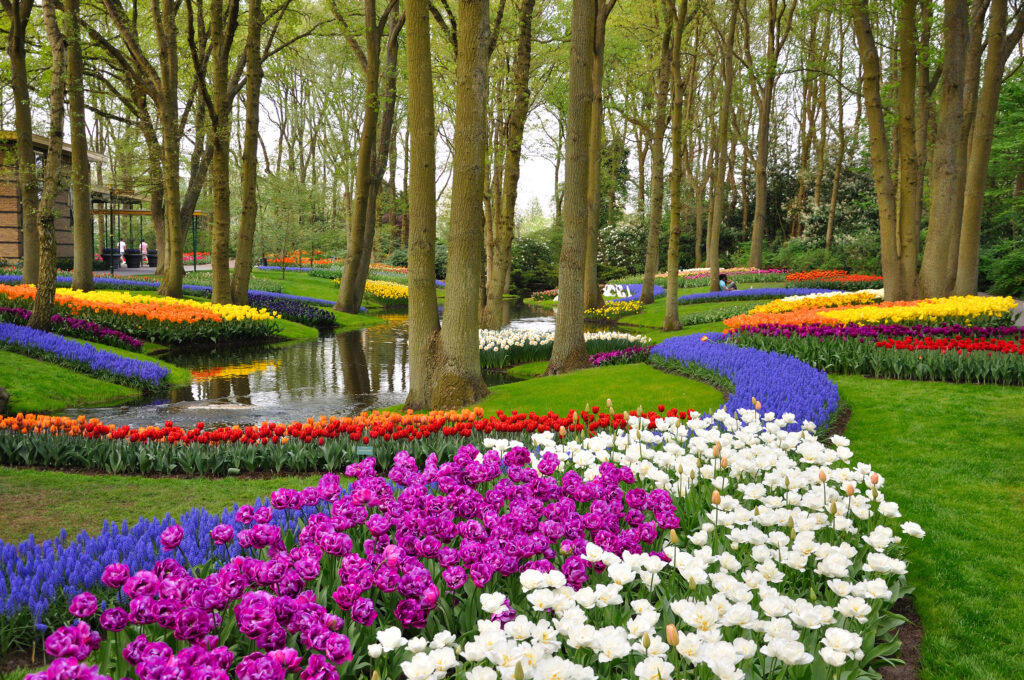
354, 368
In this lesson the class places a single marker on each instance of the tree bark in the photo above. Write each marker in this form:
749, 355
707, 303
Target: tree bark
423, 317
946, 170
661, 115
504, 224
592, 296
18, 12
675, 197
167, 38
569, 351
46, 286
717, 210
977, 164
81, 278
247, 222
457, 380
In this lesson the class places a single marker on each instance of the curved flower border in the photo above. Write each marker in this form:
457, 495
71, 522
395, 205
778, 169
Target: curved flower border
781, 383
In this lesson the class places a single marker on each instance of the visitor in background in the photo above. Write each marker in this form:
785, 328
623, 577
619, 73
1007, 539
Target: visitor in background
724, 283
121, 245
144, 249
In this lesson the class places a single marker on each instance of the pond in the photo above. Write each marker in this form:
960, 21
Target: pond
339, 374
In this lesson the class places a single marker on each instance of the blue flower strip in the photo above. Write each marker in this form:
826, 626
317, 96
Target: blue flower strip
783, 384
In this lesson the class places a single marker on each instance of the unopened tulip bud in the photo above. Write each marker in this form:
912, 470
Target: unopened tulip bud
812, 596
646, 641
375, 675
673, 537
609, 402
725, 462
874, 479
822, 477
692, 583
671, 635
519, 674
757, 406
561, 431
716, 497
833, 508
849, 489
716, 451
789, 523
753, 400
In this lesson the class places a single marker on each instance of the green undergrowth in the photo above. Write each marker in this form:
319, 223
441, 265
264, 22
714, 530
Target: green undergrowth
953, 458
36, 386
627, 386
76, 502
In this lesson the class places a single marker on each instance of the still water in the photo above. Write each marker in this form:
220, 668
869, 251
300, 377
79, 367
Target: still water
339, 374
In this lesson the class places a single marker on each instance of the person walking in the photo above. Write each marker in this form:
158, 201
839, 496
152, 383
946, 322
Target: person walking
121, 245
144, 249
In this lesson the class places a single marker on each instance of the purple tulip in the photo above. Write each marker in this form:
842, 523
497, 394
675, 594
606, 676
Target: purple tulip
222, 534
83, 605
171, 537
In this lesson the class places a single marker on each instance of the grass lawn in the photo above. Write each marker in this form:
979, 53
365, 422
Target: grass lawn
627, 386
653, 315
528, 370
301, 283
44, 387
64, 500
953, 458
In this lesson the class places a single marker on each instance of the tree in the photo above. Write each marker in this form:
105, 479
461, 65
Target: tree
457, 379
80, 187
423, 317
46, 286
18, 13
678, 19
569, 350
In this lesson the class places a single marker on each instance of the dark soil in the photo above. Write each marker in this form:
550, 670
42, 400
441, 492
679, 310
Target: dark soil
910, 634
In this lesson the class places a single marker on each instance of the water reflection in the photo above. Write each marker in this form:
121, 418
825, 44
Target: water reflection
339, 374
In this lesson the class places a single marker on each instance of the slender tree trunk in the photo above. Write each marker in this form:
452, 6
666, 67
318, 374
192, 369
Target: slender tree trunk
977, 164
349, 294
423, 318
171, 282
457, 379
717, 210
250, 149
18, 12
909, 173
506, 209
46, 286
80, 189
946, 171
661, 115
569, 351
592, 296
675, 197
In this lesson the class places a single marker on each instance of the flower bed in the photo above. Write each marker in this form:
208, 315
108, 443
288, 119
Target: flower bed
630, 292
81, 357
838, 279
747, 294
951, 353
741, 549
635, 354
611, 311
701, 277
164, 320
293, 308
818, 301
75, 328
315, 445
545, 294
780, 383
195, 258
508, 347
387, 294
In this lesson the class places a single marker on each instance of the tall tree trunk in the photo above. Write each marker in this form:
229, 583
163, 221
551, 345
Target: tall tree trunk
18, 12
675, 193
46, 286
247, 222
658, 163
981, 147
423, 318
592, 296
840, 159
946, 170
81, 278
167, 36
457, 379
717, 210
506, 210
909, 172
569, 351
350, 294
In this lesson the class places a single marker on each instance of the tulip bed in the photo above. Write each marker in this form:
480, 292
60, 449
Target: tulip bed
509, 347
838, 279
636, 354
323, 444
164, 320
951, 353
748, 294
387, 294
723, 547
701, 277
75, 328
611, 311
83, 358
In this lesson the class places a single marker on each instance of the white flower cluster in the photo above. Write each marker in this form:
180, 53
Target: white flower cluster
615, 290
879, 294
513, 338
786, 556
